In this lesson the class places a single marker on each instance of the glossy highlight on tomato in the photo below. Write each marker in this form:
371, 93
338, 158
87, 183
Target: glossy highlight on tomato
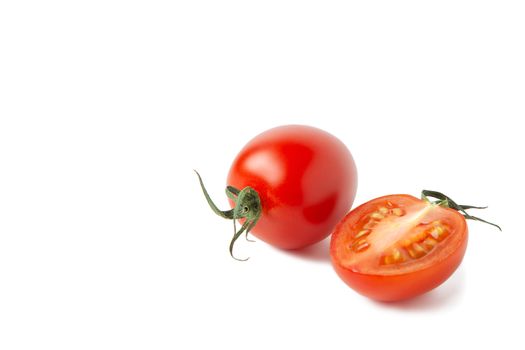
306, 179
396, 247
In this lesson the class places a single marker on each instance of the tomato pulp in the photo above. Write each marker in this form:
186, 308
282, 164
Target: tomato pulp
398, 246
306, 179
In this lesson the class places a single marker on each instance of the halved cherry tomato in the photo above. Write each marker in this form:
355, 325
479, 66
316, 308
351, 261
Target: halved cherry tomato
398, 246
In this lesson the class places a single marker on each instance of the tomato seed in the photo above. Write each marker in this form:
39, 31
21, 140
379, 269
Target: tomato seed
383, 210
361, 246
396, 254
406, 242
377, 216
394, 257
369, 225
416, 251
429, 243
387, 260
418, 248
419, 236
438, 233
398, 212
362, 233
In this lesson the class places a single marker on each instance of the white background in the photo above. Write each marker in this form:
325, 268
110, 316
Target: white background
106, 241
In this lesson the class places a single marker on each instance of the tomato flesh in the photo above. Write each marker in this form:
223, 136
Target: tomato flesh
396, 247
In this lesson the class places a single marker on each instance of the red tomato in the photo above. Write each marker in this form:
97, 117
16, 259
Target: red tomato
306, 180
398, 246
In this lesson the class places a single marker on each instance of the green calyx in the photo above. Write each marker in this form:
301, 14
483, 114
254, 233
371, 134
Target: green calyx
447, 202
247, 206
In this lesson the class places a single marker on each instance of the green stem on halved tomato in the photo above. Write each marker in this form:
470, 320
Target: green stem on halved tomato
447, 202
247, 206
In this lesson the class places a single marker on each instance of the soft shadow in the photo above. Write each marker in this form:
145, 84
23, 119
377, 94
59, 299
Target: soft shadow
319, 252
443, 296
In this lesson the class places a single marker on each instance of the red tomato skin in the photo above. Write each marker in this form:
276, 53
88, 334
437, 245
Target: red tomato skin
306, 179
400, 287
391, 288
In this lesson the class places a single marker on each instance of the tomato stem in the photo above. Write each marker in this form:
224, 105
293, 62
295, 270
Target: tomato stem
247, 206
447, 202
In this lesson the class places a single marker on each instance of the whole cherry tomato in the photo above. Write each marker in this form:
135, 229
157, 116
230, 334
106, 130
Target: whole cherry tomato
398, 246
290, 186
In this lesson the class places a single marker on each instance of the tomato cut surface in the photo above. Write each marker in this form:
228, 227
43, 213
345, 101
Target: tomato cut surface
398, 246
